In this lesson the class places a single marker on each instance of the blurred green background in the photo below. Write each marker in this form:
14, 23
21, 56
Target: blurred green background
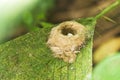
20, 16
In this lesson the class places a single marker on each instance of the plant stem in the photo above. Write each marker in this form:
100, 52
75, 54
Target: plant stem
112, 6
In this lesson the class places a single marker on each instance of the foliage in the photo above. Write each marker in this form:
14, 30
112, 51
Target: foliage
28, 58
38, 14
108, 69
27, 11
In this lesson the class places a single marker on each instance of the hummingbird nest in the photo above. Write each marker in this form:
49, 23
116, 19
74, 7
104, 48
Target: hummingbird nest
66, 39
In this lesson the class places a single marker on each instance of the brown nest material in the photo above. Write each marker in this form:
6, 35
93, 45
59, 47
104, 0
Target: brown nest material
66, 39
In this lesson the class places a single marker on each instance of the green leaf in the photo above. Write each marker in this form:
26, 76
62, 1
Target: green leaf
29, 58
46, 24
108, 69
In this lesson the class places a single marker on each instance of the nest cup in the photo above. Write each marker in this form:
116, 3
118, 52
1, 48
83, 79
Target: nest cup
66, 39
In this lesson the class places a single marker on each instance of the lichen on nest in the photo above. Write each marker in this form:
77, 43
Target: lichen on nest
66, 39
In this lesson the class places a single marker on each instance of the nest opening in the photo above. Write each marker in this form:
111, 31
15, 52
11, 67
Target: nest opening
65, 31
